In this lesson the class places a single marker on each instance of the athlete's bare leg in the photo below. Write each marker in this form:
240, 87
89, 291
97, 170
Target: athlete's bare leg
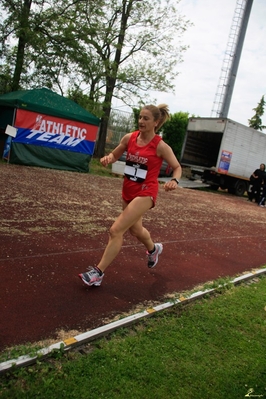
142, 234
130, 218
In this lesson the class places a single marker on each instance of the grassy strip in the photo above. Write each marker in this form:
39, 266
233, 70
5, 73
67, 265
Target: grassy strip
213, 348
96, 168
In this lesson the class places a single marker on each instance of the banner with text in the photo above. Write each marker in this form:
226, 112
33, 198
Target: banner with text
49, 131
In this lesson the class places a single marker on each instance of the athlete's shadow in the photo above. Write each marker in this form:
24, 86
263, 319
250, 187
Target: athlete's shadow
158, 288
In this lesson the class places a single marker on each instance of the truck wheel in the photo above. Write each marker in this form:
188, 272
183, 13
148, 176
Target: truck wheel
240, 188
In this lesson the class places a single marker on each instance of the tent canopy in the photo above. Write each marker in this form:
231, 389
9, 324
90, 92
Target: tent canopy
47, 102
69, 148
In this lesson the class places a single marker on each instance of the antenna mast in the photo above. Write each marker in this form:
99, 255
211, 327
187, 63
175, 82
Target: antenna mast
231, 60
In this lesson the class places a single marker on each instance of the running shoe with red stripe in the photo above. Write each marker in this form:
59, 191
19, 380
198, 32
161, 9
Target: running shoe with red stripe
92, 277
154, 257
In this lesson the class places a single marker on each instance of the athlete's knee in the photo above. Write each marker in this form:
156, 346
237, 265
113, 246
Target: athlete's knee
114, 232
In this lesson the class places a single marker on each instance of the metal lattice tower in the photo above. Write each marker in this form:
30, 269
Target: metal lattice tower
231, 60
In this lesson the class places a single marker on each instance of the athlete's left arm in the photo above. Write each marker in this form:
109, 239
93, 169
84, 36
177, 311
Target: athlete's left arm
165, 151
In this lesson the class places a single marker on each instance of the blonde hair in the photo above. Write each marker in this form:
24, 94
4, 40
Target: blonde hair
160, 113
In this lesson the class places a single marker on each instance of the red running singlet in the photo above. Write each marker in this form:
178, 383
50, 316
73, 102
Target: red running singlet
142, 169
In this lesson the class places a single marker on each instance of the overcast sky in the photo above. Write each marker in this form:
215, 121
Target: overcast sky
198, 80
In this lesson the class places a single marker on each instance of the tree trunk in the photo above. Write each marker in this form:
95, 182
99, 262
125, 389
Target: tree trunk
22, 41
100, 145
111, 79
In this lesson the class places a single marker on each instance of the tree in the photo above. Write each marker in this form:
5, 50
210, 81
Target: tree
17, 27
136, 112
105, 48
174, 131
5, 79
32, 45
133, 41
255, 122
24, 31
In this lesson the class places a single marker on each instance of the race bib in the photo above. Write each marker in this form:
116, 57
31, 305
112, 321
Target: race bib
136, 172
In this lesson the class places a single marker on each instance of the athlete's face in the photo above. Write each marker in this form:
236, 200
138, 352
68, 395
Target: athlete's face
146, 121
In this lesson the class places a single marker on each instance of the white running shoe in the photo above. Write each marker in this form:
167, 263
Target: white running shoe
92, 277
154, 257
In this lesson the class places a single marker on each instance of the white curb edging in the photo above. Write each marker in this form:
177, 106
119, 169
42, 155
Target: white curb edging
107, 329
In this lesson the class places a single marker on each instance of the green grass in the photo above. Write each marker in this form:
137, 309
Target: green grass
213, 348
96, 168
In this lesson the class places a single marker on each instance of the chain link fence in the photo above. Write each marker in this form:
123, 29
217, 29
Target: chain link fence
120, 123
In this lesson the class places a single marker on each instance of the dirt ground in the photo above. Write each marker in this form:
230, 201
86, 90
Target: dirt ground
55, 223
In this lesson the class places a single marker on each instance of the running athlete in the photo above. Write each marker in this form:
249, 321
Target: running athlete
145, 153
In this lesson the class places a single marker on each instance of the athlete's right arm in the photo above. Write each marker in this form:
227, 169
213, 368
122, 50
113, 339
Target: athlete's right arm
117, 152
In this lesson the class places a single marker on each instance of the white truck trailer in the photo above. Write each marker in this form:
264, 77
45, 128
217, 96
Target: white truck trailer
224, 153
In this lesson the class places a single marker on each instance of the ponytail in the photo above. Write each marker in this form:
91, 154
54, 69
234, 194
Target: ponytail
165, 115
160, 113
